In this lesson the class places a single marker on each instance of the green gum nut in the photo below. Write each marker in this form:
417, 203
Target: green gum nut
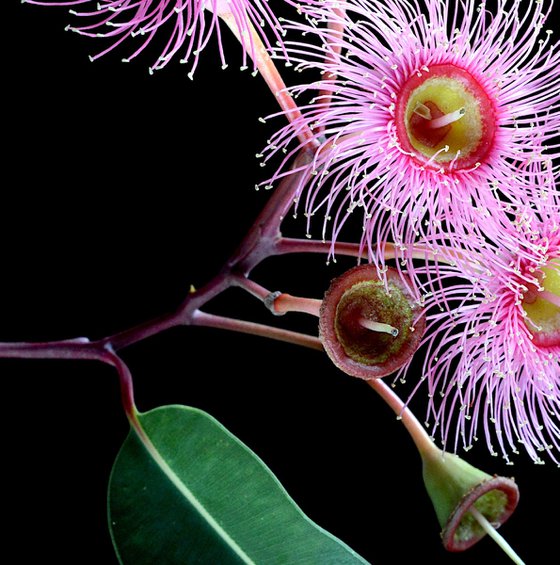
455, 487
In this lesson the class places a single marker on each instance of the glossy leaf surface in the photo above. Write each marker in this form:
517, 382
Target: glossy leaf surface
193, 493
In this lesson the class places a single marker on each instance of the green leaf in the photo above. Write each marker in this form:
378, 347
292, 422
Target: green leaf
190, 492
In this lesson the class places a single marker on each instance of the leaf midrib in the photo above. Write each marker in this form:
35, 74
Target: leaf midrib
191, 498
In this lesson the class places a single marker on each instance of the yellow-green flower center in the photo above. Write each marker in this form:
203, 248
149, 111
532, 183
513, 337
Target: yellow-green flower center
542, 306
437, 101
445, 118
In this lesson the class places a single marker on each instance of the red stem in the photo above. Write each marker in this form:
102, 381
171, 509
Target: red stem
78, 349
212, 321
421, 439
287, 303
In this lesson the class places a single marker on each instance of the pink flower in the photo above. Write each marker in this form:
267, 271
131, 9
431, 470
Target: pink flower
184, 21
492, 357
425, 110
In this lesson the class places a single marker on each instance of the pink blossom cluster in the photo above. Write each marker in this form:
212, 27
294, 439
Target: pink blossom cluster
487, 221
436, 126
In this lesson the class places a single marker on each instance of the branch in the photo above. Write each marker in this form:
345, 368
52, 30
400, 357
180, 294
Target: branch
78, 349
212, 321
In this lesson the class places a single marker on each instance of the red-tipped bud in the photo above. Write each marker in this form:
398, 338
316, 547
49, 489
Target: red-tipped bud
368, 329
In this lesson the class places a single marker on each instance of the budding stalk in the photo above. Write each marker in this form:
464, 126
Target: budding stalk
468, 502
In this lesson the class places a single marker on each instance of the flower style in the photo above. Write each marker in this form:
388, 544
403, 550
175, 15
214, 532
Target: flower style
421, 114
184, 21
493, 344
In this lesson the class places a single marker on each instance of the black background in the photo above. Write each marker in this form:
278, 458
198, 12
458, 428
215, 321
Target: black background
120, 190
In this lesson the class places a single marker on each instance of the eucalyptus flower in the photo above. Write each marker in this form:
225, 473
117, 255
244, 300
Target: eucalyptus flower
492, 342
422, 109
